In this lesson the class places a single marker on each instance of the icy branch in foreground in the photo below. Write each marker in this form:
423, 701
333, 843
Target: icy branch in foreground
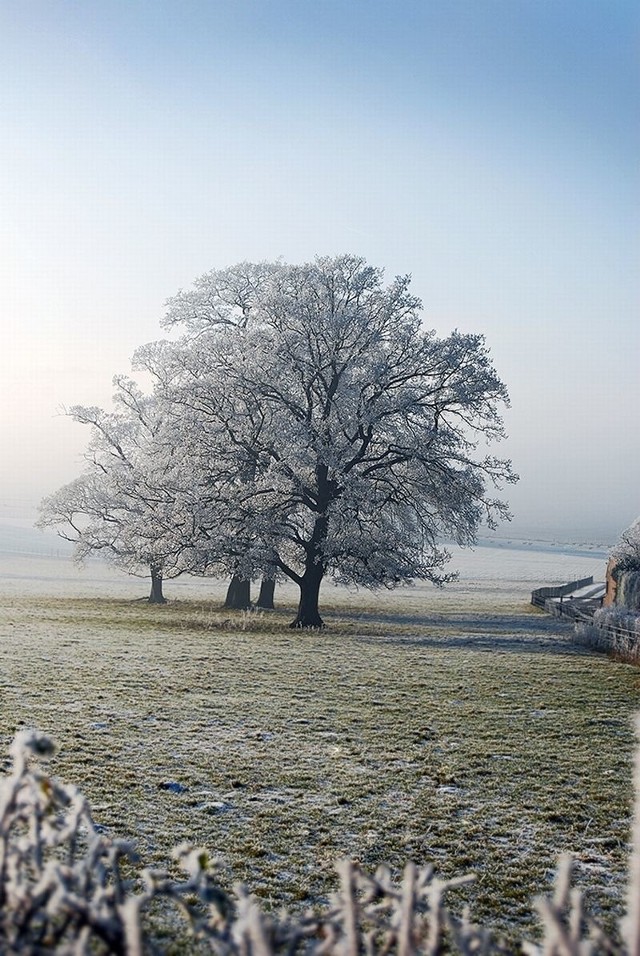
65, 888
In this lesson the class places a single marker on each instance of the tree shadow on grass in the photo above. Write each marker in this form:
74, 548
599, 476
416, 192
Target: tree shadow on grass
509, 633
477, 622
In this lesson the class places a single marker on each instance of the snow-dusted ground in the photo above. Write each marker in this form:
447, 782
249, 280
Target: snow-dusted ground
459, 726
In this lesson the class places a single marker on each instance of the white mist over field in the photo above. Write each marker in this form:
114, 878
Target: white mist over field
508, 567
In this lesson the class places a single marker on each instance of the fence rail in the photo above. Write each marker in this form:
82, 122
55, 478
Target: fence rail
540, 596
575, 610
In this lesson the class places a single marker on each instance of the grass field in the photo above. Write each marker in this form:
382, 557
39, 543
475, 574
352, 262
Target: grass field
459, 727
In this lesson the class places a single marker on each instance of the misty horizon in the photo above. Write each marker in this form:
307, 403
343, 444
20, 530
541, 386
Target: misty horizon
488, 150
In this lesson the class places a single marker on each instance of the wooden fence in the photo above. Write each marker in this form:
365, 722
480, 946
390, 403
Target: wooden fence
540, 596
609, 636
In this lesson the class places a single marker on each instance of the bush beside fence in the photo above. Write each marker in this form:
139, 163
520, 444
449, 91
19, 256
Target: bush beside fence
614, 629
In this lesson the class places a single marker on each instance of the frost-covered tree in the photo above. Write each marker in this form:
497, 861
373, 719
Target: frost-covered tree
139, 504
128, 505
330, 433
627, 548
624, 567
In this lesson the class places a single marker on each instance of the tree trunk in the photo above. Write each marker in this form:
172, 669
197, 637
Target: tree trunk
308, 614
238, 594
265, 598
156, 596
314, 566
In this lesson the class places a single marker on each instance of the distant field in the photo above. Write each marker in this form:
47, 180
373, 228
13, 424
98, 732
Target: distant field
459, 727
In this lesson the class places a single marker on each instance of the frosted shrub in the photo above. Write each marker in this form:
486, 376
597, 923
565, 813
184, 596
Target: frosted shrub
615, 629
62, 890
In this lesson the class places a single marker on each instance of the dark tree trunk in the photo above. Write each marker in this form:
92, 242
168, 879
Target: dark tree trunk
314, 566
308, 614
156, 596
238, 594
265, 598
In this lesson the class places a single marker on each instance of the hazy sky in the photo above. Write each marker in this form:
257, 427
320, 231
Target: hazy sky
488, 147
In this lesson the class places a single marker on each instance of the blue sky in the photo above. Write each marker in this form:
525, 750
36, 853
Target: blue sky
487, 147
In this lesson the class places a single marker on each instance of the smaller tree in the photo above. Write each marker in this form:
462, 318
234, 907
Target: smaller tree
98, 519
126, 505
145, 501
